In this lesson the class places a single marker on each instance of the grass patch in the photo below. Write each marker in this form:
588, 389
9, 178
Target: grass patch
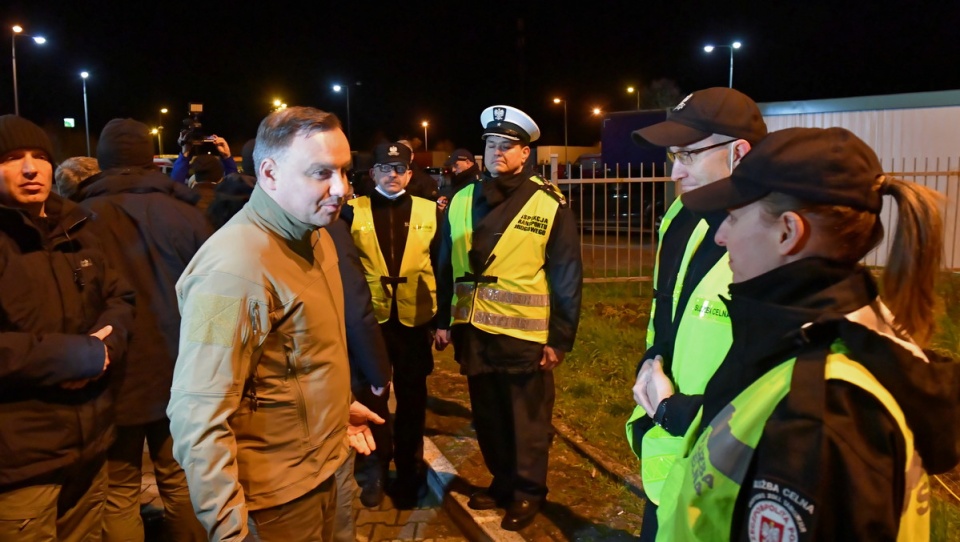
594, 384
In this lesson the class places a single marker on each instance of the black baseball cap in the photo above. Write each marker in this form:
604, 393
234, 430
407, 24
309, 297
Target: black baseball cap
829, 166
392, 153
718, 110
459, 154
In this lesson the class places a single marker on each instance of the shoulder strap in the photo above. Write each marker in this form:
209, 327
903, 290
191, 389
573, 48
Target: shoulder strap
550, 189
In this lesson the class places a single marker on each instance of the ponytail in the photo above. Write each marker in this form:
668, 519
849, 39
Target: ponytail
915, 258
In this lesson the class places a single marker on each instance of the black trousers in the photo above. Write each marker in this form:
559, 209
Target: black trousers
512, 415
412, 361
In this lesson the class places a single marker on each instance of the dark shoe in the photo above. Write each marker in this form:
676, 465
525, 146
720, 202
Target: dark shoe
408, 495
520, 514
486, 500
371, 494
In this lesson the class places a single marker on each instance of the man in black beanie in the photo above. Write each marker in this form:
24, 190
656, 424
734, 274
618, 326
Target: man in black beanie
150, 228
64, 317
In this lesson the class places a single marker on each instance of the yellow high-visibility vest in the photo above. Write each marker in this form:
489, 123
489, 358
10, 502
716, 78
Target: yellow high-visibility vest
511, 295
415, 290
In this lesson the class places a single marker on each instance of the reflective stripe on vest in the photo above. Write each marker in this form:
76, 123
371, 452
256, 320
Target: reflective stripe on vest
699, 497
416, 290
511, 296
703, 339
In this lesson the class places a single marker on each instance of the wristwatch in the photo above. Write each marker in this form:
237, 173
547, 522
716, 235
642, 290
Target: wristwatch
660, 416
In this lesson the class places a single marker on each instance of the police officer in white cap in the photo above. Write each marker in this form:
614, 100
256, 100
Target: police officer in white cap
508, 297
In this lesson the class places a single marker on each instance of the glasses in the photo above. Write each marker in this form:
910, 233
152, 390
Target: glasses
387, 168
687, 157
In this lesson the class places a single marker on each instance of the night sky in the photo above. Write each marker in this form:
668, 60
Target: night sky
445, 62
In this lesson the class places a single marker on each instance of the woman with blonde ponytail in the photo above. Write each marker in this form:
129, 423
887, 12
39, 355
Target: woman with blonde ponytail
826, 414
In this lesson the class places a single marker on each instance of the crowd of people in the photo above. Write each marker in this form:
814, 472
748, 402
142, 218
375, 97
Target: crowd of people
248, 325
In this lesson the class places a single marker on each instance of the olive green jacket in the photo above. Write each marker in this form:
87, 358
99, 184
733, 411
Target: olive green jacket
261, 390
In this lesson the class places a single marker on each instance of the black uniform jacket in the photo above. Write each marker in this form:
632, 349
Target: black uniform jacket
150, 228
830, 451
496, 201
56, 287
369, 364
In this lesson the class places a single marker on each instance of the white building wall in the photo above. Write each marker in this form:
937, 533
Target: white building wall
909, 142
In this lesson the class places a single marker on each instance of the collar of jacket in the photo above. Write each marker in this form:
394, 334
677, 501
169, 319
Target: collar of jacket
498, 189
68, 216
280, 222
135, 180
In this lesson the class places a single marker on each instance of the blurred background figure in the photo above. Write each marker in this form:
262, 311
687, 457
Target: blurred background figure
73, 171
150, 228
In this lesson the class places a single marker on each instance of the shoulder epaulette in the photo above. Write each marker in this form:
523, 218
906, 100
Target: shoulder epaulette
551, 189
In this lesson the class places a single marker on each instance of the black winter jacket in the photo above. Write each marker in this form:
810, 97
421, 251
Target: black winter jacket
55, 289
150, 228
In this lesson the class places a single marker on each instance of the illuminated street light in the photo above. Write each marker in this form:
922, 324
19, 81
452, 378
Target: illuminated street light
732, 46
346, 90
631, 90
163, 111
86, 116
156, 132
565, 157
426, 145
597, 111
18, 31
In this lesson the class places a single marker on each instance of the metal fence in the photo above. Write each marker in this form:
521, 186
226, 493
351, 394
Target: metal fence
618, 216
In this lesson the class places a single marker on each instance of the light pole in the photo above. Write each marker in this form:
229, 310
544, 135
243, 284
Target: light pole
156, 132
17, 30
346, 90
426, 145
566, 161
86, 116
631, 90
732, 46
163, 111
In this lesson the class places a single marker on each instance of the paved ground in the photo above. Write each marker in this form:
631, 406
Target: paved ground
582, 505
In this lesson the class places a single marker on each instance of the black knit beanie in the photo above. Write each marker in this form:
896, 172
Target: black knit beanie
19, 133
125, 143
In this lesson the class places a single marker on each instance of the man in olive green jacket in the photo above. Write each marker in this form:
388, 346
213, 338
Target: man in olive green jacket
261, 390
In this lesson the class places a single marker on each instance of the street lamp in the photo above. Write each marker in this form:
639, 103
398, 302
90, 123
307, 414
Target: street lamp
86, 116
732, 46
426, 145
631, 90
346, 90
163, 111
567, 170
156, 132
17, 30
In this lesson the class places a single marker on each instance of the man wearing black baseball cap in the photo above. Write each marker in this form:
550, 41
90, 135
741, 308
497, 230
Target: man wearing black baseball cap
463, 170
706, 136
508, 292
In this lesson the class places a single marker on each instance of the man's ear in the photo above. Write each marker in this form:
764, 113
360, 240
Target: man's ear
740, 149
267, 174
794, 233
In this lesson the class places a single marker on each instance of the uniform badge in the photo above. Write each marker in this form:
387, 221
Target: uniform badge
393, 151
771, 522
499, 113
683, 103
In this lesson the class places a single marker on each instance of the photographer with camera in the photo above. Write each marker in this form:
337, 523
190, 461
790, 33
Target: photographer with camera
194, 143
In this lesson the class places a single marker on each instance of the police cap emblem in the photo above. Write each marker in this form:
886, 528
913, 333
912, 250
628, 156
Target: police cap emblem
499, 113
